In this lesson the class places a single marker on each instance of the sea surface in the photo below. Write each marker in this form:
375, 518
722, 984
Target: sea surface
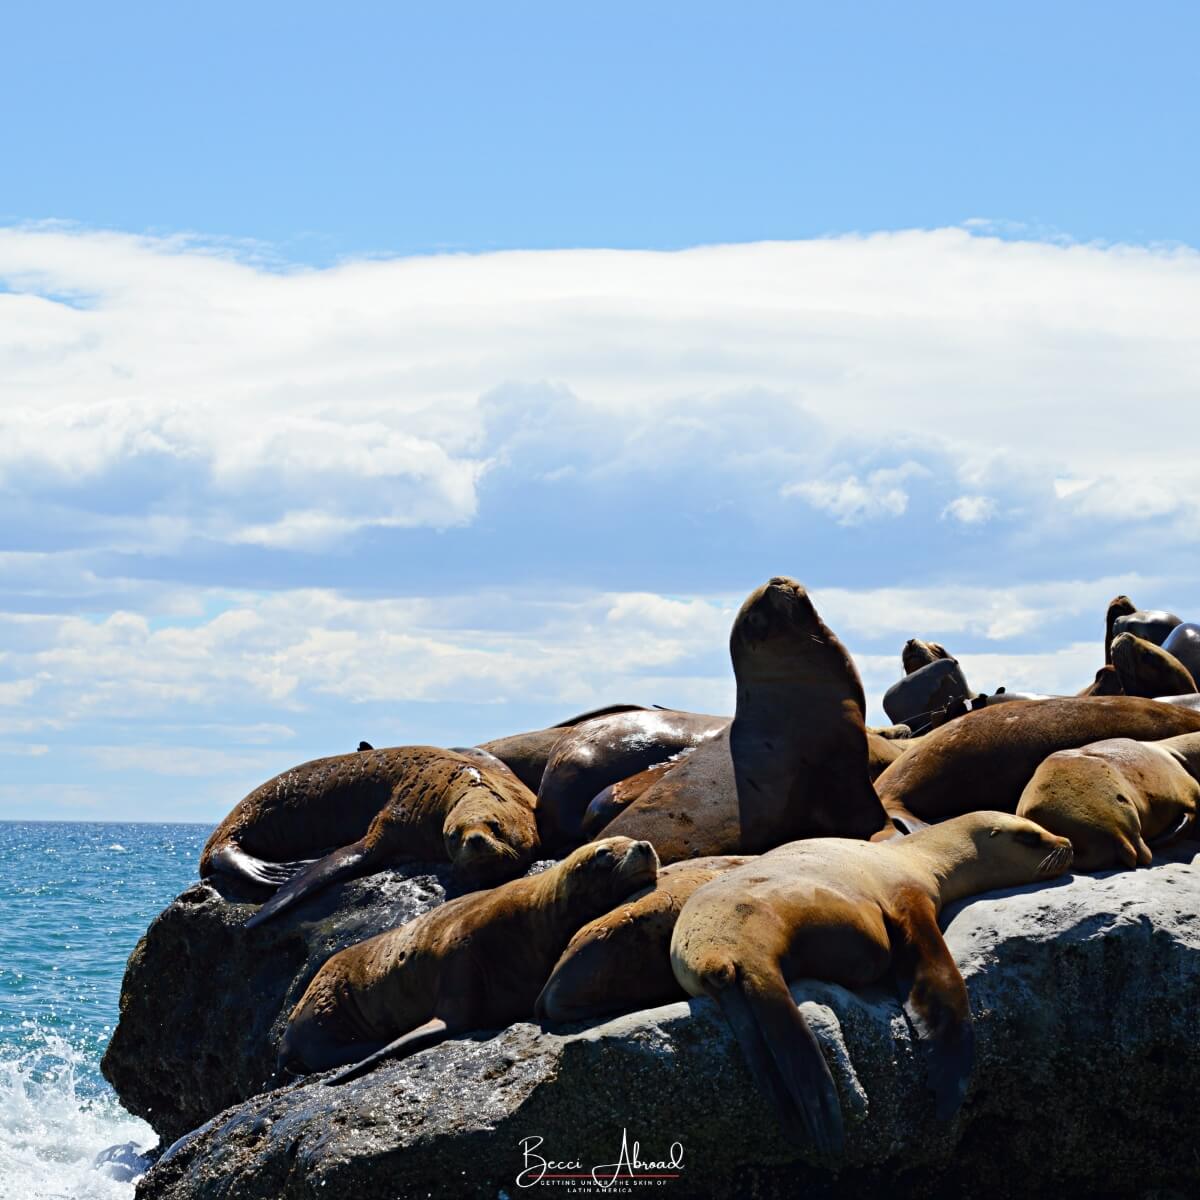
74, 899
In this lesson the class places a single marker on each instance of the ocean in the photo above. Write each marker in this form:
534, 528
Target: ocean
74, 899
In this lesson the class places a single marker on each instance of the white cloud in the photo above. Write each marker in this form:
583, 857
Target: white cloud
852, 501
970, 510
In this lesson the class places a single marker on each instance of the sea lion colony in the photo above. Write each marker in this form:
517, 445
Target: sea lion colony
793, 842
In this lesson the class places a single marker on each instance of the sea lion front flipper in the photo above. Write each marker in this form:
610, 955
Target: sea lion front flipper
934, 997
785, 1060
341, 864
421, 1038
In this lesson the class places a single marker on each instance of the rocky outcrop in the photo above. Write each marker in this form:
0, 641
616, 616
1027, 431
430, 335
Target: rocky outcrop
1086, 995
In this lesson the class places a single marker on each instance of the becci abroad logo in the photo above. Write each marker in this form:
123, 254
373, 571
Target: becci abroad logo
629, 1171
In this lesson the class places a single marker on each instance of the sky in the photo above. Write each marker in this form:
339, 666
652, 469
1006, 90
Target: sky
420, 374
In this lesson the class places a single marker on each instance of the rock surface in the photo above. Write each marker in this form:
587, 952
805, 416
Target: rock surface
1086, 996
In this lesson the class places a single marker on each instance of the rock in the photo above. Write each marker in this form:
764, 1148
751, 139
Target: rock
1086, 995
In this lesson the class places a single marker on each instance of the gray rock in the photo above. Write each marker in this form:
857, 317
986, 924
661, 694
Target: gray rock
1086, 996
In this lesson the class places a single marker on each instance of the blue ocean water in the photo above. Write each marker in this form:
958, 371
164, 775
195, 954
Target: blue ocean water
74, 899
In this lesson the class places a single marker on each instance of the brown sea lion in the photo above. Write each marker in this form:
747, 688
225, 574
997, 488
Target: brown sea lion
605, 750
1106, 683
985, 758
1118, 606
526, 753
913, 699
617, 797
475, 962
1145, 669
409, 803
793, 764
621, 962
882, 752
844, 911
917, 654
1118, 798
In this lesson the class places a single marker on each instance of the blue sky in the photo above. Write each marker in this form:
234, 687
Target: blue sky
423, 377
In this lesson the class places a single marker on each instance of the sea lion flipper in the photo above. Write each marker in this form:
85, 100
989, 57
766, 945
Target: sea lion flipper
934, 997
341, 864
231, 860
1169, 835
786, 1061
421, 1038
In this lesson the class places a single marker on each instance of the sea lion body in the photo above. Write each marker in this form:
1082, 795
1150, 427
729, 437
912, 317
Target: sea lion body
603, 751
475, 962
613, 800
1146, 669
793, 764
882, 752
1183, 642
1154, 625
407, 803
984, 759
846, 911
1116, 799
936, 685
621, 962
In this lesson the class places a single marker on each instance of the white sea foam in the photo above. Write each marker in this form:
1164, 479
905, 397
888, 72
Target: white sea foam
52, 1127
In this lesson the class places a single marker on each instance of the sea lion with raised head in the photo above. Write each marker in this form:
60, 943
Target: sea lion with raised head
917, 654
475, 962
1145, 669
375, 808
846, 911
913, 699
1117, 799
1118, 606
603, 751
621, 962
793, 764
984, 759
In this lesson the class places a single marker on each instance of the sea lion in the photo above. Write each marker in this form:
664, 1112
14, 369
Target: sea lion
408, 803
1152, 624
617, 797
1184, 643
605, 750
844, 911
365, 746
526, 753
1145, 669
917, 654
621, 962
912, 699
882, 752
1118, 606
1117, 798
1106, 683
985, 758
794, 762
475, 962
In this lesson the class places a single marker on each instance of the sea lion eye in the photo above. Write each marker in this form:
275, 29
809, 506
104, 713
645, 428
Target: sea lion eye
1122, 799
1028, 838
603, 855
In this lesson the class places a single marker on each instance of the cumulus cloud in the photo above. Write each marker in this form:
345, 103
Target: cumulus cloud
970, 510
852, 501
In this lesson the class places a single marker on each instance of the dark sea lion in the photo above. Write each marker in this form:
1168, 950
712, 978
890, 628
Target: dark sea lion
1154, 625
365, 746
605, 750
475, 962
1118, 606
409, 803
1116, 799
1184, 643
526, 753
793, 764
934, 686
846, 911
1145, 669
985, 758
1106, 683
621, 962
917, 654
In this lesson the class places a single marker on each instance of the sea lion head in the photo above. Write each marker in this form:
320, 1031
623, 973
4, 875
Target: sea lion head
489, 836
917, 654
1006, 850
609, 870
1145, 669
1087, 799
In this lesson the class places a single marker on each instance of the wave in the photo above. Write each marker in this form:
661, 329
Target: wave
55, 1120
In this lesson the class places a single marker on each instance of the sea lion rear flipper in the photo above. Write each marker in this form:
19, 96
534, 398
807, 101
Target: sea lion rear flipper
424, 1036
934, 997
786, 1061
341, 864
230, 859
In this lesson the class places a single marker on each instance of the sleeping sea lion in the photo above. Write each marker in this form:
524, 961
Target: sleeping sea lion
621, 962
1184, 643
603, 751
409, 803
526, 753
475, 962
844, 911
985, 758
794, 762
1118, 798
1148, 670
